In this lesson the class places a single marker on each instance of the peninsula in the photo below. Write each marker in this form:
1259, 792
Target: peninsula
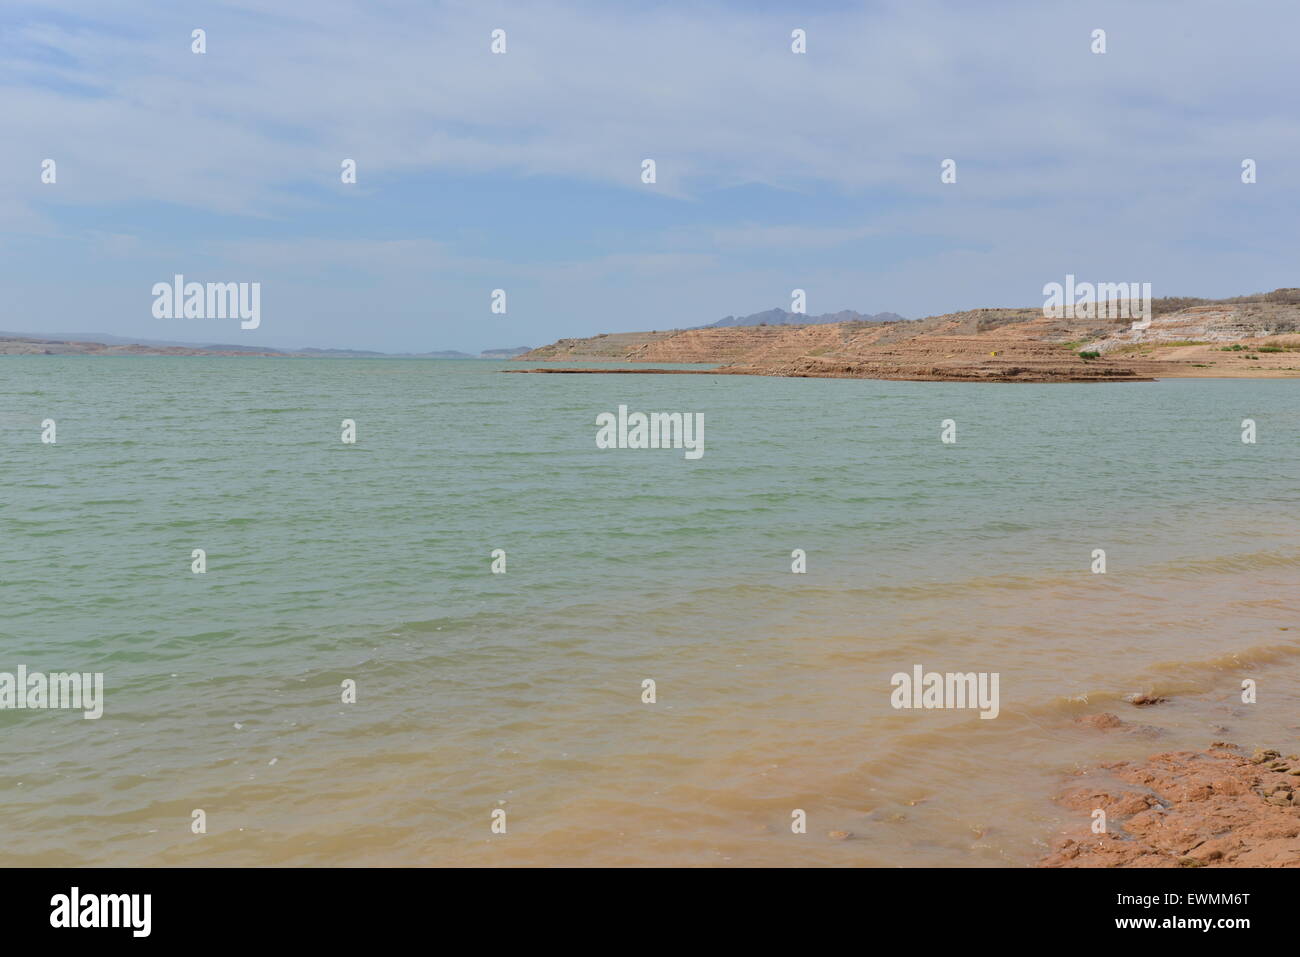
1256, 336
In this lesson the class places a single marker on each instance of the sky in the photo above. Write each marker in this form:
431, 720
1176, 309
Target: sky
522, 170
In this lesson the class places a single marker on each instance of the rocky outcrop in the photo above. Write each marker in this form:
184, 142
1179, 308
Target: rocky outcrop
1218, 808
1211, 324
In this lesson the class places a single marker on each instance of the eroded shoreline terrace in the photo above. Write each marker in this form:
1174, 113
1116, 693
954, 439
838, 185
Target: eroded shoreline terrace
1246, 337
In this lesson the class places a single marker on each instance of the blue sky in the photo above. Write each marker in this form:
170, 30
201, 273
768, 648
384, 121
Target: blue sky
521, 171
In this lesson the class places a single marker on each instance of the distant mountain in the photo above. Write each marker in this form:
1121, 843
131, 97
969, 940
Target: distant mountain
98, 343
485, 354
324, 353
107, 340
779, 317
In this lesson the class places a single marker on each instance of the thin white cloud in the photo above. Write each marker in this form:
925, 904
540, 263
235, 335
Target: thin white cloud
1066, 160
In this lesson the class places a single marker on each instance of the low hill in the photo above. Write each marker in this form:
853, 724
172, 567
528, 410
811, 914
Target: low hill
1245, 336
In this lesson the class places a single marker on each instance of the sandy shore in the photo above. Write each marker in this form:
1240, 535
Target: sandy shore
1216, 808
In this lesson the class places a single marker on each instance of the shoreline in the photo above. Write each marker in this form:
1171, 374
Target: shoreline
898, 377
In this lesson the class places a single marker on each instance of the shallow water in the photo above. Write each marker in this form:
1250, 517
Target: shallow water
522, 691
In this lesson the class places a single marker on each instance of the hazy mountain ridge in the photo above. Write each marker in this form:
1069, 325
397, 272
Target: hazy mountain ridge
779, 317
94, 343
